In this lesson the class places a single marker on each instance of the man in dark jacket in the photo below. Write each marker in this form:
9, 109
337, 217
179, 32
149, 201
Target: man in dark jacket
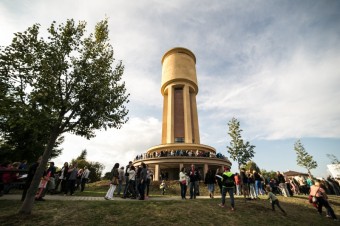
194, 178
142, 181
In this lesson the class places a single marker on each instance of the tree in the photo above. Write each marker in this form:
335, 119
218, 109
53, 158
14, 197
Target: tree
95, 168
239, 151
303, 158
82, 155
333, 158
65, 83
250, 165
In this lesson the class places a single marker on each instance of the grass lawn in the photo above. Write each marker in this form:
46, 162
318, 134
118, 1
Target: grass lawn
174, 212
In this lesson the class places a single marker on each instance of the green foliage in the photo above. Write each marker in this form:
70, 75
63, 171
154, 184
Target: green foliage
83, 155
303, 158
268, 174
250, 165
65, 83
95, 168
239, 151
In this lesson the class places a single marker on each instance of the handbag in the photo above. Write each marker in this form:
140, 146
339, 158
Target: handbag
314, 199
114, 181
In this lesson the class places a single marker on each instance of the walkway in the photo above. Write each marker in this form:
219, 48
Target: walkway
89, 198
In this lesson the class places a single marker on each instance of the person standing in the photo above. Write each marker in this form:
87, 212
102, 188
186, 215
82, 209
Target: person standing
84, 178
257, 180
218, 177
127, 177
228, 183
31, 171
183, 182
194, 177
120, 179
71, 182
149, 175
282, 184
209, 180
64, 175
132, 182
238, 184
51, 181
113, 183
244, 183
142, 181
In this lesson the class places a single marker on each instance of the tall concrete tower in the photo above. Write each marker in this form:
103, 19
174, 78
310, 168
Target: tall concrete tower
179, 89
180, 145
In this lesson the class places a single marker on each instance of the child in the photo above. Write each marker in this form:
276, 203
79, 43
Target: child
162, 187
273, 200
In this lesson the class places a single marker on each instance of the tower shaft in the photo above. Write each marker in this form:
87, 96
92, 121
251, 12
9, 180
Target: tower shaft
179, 90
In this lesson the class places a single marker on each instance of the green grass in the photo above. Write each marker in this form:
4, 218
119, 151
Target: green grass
175, 212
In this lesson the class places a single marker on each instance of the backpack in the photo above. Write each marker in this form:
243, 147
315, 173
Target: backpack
228, 179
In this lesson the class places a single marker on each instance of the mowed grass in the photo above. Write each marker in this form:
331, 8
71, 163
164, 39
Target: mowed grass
167, 212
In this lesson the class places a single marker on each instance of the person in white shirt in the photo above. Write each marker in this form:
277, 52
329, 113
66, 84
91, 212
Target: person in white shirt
84, 178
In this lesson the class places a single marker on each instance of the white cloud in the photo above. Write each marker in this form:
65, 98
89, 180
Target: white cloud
271, 65
112, 146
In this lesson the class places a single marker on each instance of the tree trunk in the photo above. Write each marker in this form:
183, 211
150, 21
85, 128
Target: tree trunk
27, 205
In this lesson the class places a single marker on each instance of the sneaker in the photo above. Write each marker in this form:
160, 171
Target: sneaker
221, 205
232, 209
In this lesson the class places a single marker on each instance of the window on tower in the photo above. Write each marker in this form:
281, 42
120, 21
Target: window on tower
179, 139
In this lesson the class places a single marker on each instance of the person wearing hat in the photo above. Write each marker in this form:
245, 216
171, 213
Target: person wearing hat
228, 183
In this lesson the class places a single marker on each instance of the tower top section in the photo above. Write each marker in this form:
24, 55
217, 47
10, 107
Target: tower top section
179, 66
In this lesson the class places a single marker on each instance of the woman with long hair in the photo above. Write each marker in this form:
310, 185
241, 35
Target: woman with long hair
113, 183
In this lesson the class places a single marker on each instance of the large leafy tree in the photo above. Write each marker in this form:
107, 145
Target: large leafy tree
65, 83
239, 150
303, 158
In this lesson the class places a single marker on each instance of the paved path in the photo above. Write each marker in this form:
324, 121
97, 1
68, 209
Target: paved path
89, 198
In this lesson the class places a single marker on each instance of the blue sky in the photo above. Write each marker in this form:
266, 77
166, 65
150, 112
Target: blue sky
274, 65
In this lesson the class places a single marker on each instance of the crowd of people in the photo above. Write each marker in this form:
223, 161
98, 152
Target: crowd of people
137, 181
248, 183
251, 184
174, 153
66, 181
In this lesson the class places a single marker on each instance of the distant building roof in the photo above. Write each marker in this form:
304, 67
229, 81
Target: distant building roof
291, 173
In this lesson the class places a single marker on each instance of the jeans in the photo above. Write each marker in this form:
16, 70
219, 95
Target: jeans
183, 190
238, 189
126, 185
83, 182
252, 191
119, 187
322, 202
141, 188
257, 187
231, 194
284, 189
193, 190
